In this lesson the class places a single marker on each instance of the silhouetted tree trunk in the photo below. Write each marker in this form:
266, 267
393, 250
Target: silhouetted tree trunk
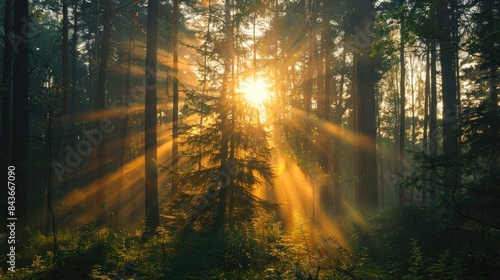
433, 130
175, 110
365, 152
427, 92
339, 111
205, 69
65, 59
402, 111
20, 118
449, 87
324, 109
74, 60
309, 80
150, 141
100, 154
5, 90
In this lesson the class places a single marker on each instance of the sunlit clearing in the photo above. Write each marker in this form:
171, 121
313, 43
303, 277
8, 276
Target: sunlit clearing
256, 92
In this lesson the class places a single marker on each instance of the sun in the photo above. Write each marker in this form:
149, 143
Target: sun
256, 92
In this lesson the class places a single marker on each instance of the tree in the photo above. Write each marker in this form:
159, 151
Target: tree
227, 155
365, 152
99, 108
150, 141
20, 134
175, 101
402, 105
433, 128
449, 86
5, 91
325, 107
74, 58
65, 59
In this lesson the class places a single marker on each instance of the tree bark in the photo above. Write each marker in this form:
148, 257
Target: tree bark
175, 110
324, 107
100, 154
365, 152
309, 81
150, 141
74, 60
433, 129
402, 114
65, 59
20, 118
449, 89
427, 92
339, 111
6, 95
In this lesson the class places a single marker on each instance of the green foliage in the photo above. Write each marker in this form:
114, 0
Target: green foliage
405, 243
420, 243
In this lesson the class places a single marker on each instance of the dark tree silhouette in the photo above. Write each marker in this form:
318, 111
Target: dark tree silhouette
150, 141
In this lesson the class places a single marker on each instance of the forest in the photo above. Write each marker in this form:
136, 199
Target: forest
250, 139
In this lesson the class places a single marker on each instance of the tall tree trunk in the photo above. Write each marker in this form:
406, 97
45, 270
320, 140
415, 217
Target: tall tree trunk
433, 134
74, 59
100, 154
455, 36
402, 113
205, 71
412, 85
150, 141
411, 196
381, 185
365, 151
309, 79
6, 95
427, 92
324, 109
337, 194
94, 57
65, 59
175, 110
48, 183
449, 89
20, 132
232, 147
63, 138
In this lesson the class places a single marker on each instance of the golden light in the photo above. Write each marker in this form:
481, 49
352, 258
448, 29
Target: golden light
256, 92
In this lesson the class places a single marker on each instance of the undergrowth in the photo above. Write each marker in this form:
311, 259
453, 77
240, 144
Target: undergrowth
406, 243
